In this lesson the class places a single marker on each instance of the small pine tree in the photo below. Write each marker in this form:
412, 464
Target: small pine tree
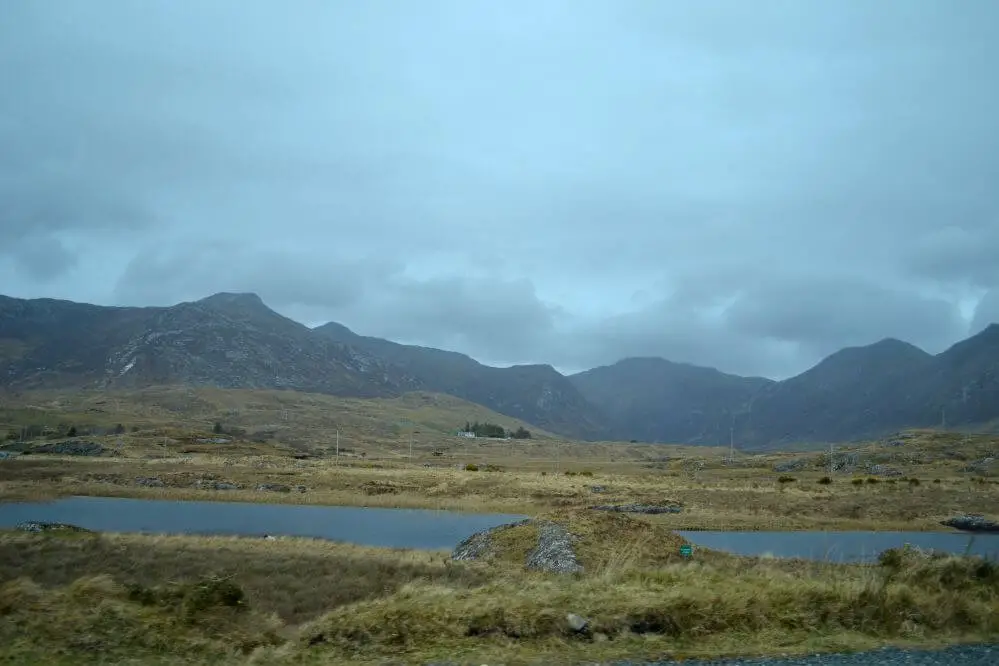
71, 432
217, 429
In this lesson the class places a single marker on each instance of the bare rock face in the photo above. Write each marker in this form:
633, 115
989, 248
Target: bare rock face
149, 481
982, 466
651, 509
972, 523
210, 484
554, 551
225, 340
39, 526
274, 488
72, 448
792, 465
479, 545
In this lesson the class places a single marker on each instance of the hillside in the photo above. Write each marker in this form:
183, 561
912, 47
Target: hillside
654, 400
855, 393
302, 421
225, 340
235, 341
535, 393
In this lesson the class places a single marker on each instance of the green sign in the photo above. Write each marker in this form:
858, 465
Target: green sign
686, 550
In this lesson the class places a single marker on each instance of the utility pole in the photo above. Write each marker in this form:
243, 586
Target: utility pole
731, 444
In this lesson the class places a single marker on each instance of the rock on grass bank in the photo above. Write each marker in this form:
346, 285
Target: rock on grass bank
573, 541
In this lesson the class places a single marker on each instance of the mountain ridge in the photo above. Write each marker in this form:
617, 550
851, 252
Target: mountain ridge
233, 339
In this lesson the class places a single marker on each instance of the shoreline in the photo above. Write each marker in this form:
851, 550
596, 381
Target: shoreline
676, 522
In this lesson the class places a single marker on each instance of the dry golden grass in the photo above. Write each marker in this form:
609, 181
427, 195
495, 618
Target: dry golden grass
715, 500
515, 476
283, 418
666, 610
141, 599
296, 579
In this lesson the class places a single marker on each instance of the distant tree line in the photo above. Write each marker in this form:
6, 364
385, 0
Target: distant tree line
35, 431
497, 431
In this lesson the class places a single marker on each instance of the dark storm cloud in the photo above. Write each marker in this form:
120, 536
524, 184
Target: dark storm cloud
826, 313
987, 311
747, 185
282, 277
959, 253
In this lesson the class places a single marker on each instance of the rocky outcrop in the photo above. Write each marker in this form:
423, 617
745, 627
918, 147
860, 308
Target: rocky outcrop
39, 526
972, 523
149, 482
791, 465
71, 448
554, 550
273, 488
650, 509
206, 484
479, 545
884, 470
982, 466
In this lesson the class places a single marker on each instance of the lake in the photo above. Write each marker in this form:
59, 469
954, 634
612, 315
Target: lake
391, 528
433, 530
843, 546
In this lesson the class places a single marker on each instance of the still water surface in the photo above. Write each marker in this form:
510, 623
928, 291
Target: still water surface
431, 530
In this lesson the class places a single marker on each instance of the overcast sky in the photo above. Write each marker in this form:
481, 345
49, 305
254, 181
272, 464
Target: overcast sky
747, 185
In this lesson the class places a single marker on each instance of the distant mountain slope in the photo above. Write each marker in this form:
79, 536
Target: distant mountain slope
537, 394
654, 400
855, 392
235, 341
225, 340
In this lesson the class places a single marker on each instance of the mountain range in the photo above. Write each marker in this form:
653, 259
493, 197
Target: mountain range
236, 341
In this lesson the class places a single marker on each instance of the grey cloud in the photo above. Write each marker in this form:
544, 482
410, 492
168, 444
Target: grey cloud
501, 320
825, 313
679, 332
959, 254
986, 312
283, 278
41, 258
434, 172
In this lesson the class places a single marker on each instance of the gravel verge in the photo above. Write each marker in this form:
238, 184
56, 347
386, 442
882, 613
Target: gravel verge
958, 655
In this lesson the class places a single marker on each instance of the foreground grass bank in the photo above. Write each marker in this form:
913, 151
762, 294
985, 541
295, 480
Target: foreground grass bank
99, 598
